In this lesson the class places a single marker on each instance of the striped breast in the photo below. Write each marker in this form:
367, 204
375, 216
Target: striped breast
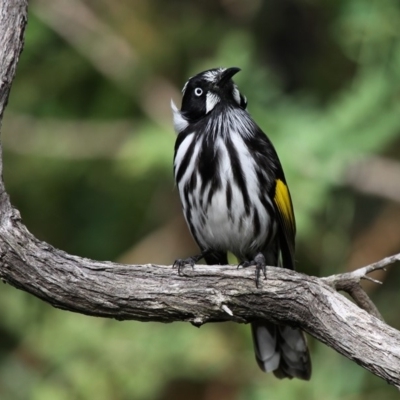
224, 203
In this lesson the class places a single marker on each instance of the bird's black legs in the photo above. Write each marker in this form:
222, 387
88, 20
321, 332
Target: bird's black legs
211, 258
221, 259
260, 263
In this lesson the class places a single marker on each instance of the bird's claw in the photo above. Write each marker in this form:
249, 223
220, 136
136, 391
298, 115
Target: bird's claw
260, 264
181, 263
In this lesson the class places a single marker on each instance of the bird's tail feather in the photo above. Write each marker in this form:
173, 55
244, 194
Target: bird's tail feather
281, 349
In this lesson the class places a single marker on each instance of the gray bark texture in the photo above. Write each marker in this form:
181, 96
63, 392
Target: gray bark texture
203, 294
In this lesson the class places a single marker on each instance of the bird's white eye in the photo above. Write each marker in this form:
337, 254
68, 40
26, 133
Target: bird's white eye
198, 91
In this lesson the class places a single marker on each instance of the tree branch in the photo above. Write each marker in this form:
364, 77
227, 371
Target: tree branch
350, 282
204, 294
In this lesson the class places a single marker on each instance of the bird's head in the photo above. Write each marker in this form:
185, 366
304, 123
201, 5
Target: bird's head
206, 92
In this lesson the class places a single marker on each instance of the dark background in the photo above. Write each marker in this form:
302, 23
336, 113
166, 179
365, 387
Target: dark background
88, 146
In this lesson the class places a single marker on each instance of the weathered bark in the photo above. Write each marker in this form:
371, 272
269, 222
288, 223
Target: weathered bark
205, 294
13, 17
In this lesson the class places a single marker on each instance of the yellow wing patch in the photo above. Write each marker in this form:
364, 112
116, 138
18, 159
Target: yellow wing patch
284, 208
284, 203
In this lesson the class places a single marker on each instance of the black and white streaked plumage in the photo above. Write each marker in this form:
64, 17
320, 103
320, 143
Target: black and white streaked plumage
235, 199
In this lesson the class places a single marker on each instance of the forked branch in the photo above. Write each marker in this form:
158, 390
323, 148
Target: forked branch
350, 282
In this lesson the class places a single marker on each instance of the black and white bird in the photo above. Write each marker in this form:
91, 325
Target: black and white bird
235, 199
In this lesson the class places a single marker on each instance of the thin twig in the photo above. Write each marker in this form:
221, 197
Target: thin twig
349, 282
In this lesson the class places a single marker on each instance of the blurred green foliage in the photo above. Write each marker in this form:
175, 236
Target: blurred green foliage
88, 146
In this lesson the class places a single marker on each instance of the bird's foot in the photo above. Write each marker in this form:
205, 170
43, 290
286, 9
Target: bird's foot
260, 264
181, 263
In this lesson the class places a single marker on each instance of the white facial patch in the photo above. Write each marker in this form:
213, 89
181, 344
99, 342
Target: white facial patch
236, 94
211, 101
211, 76
180, 123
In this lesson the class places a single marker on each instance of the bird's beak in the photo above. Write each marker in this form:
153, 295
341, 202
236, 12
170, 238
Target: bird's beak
226, 75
